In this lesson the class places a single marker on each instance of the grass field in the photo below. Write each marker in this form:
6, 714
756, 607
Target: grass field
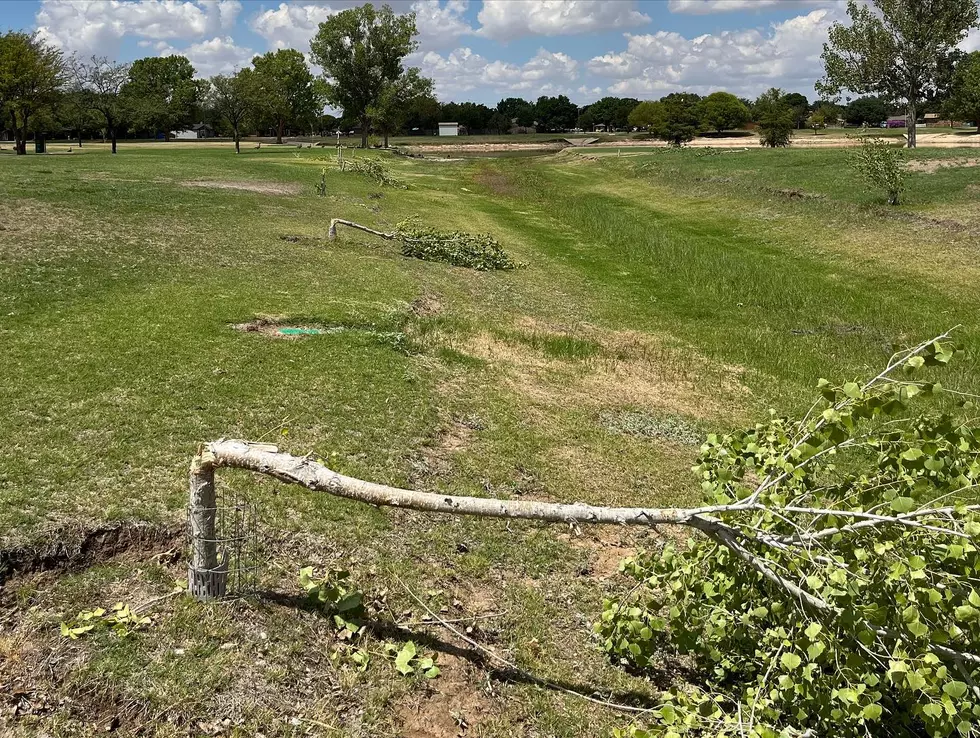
665, 294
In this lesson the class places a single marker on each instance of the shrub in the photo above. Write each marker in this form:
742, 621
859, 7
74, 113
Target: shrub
835, 591
880, 165
374, 169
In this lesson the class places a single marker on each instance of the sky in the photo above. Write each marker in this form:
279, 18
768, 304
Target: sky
484, 50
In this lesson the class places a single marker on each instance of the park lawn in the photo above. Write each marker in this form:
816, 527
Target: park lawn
664, 295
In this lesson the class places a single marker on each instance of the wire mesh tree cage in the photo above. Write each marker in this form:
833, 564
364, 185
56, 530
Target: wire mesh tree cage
222, 538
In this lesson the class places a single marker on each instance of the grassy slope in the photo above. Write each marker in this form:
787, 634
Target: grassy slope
693, 289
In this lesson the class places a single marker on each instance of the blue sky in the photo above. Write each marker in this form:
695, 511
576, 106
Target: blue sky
485, 50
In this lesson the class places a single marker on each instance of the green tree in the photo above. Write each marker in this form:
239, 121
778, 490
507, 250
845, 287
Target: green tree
800, 106
499, 123
390, 111
613, 112
233, 99
880, 165
866, 111
964, 101
361, 52
99, 83
423, 114
517, 110
673, 119
587, 121
775, 118
75, 116
555, 114
288, 93
722, 111
161, 94
823, 115
897, 49
32, 75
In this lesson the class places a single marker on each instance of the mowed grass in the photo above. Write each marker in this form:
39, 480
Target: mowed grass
665, 294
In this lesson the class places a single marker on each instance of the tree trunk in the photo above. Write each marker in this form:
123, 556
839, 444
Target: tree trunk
112, 133
279, 130
79, 138
238, 148
910, 125
386, 139
364, 132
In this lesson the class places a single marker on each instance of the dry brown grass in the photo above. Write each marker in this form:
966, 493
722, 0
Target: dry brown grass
264, 188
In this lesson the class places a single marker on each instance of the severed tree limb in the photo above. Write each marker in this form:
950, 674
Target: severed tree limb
332, 232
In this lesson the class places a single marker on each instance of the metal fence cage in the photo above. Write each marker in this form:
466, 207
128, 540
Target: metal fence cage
222, 535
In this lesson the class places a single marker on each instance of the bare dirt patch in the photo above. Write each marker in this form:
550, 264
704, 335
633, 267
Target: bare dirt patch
435, 460
452, 706
264, 188
931, 166
426, 305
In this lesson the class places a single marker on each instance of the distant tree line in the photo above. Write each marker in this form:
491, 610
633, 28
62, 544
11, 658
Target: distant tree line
361, 51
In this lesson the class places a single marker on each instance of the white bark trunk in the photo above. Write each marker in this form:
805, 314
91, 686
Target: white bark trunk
266, 459
332, 233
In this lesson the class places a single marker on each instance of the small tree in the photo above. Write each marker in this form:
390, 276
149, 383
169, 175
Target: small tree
99, 83
964, 101
774, 118
898, 49
880, 164
389, 113
361, 51
233, 99
800, 107
722, 111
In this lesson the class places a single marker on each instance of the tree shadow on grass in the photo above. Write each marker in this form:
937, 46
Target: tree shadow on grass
661, 678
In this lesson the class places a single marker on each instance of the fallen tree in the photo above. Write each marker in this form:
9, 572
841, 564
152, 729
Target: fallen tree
479, 251
834, 585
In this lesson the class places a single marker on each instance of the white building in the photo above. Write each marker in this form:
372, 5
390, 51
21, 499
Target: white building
449, 129
198, 130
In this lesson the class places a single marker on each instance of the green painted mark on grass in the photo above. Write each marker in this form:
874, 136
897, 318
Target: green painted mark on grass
301, 331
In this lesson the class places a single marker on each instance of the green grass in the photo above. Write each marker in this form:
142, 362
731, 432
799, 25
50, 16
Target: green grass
666, 293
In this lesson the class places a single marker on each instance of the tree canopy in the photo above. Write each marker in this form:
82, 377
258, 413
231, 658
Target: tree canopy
361, 51
233, 99
900, 50
99, 83
389, 112
866, 111
775, 118
518, 110
674, 118
555, 114
722, 111
161, 93
32, 75
288, 93
964, 101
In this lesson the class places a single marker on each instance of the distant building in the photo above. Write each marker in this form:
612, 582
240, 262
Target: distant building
198, 130
449, 129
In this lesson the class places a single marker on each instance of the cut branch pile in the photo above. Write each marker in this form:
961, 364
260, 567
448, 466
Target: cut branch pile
479, 251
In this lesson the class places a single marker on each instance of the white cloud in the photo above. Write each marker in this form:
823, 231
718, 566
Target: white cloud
440, 25
97, 26
503, 20
972, 41
703, 7
219, 55
743, 61
461, 71
290, 25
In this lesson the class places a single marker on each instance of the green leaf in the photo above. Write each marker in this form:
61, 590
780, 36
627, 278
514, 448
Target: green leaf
852, 390
965, 613
404, 657
955, 689
813, 630
871, 712
432, 672
903, 504
790, 661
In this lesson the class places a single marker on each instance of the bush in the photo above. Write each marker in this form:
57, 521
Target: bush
375, 169
880, 165
835, 589
479, 251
